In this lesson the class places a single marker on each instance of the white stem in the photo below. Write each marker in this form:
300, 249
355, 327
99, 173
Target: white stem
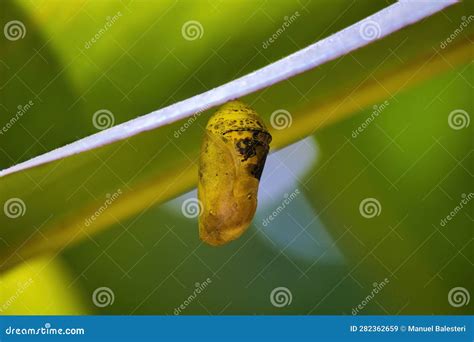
376, 26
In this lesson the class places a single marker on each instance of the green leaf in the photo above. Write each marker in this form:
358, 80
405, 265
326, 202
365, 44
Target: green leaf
143, 62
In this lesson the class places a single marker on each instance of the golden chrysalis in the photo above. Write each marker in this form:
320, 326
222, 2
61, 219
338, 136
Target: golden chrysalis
232, 158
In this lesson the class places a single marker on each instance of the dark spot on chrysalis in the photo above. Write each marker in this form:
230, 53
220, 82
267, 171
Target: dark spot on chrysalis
257, 169
246, 147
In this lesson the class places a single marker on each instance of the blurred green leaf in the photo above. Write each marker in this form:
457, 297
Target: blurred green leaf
143, 62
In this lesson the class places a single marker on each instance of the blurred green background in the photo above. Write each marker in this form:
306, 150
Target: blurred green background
410, 158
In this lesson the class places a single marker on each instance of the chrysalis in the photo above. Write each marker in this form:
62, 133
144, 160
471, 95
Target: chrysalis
232, 158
